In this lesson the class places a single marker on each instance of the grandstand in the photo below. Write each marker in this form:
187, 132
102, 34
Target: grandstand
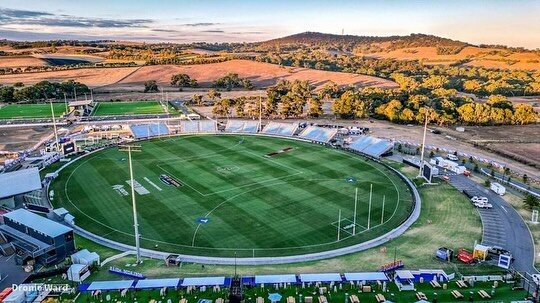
319, 134
235, 126
202, 126
371, 146
141, 131
280, 128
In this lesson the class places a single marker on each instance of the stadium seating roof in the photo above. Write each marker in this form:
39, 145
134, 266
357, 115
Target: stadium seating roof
206, 281
366, 276
331, 277
157, 283
269, 279
19, 182
38, 223
110, 285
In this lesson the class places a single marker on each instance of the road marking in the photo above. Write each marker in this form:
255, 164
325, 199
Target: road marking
504, 208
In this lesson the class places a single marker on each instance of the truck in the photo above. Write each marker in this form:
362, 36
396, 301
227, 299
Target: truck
497, 188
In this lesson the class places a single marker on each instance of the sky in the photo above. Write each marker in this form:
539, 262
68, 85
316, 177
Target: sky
513, 23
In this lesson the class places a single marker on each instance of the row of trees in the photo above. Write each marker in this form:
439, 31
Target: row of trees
42, 91
445, 106
411, 73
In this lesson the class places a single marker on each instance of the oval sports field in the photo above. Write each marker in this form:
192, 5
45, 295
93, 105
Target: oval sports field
214, 195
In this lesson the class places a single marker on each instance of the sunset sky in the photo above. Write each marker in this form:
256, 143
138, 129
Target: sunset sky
515, 23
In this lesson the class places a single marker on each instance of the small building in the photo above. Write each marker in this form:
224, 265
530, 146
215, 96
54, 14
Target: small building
46, 159
14, 185
81, 107
78, 272
404, 280
37, 238
85, 257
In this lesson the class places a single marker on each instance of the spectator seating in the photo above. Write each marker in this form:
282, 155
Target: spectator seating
149, 130
371, 146
234, 126
280, 128
202, 126
318, 134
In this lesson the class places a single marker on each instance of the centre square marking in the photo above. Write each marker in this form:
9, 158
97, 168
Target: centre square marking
227, 169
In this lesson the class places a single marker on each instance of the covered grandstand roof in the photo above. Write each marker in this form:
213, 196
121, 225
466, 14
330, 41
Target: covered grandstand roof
205, 281
366, 276
110, 285
319, 134
372, 146
270, 279
331, 277
157, 283
19, 182
38, 223
242, 126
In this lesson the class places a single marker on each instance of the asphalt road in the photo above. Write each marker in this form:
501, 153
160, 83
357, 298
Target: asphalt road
502, 225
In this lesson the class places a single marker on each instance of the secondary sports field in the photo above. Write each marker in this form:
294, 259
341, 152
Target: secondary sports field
128, 108
14, 111
257, 196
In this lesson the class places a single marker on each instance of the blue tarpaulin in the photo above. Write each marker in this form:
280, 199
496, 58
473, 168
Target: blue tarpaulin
270, 279
332, 277
157, 283
206, 281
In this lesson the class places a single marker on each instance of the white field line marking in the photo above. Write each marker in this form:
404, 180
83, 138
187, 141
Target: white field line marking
504, 208
152, 183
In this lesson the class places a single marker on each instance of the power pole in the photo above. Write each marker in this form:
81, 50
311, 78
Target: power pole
129, 149
260, 112
54, 127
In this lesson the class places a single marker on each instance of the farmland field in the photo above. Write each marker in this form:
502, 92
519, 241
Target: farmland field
14, 111
234, 196
128, 108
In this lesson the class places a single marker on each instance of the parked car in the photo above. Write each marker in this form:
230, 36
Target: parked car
479, 199
483, 205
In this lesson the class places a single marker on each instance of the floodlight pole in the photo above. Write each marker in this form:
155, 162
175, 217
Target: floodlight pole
260, 112
421, 170
65, 102
369, 207
382, 213
129, 148
354, 215
339, 224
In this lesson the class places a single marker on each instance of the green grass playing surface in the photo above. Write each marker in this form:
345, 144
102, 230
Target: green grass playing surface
128, 108
14, 111
255, 205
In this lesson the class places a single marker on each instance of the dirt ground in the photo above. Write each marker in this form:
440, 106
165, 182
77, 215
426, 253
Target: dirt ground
261, 75
16, 139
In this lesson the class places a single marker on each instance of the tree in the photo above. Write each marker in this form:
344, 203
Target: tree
239, 106
314, 108
7, 94
183, 80
222, 108
344, 106
150, 86
213, 94
531, 201
197, 99
487, 183
524, 114
525, 178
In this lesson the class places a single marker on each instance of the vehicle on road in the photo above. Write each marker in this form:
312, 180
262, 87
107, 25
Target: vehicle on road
483, 205
479, 199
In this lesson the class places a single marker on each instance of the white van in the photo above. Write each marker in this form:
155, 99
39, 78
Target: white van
452, 157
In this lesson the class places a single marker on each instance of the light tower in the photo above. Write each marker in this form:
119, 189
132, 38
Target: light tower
129, 149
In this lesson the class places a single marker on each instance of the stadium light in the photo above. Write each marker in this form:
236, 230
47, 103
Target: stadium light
354, 215
369, 207
421, 170
129, 149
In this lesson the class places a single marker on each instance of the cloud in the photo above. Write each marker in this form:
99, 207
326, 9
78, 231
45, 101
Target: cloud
213, 31
26, 17
201, 24
159, 30
7, 13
